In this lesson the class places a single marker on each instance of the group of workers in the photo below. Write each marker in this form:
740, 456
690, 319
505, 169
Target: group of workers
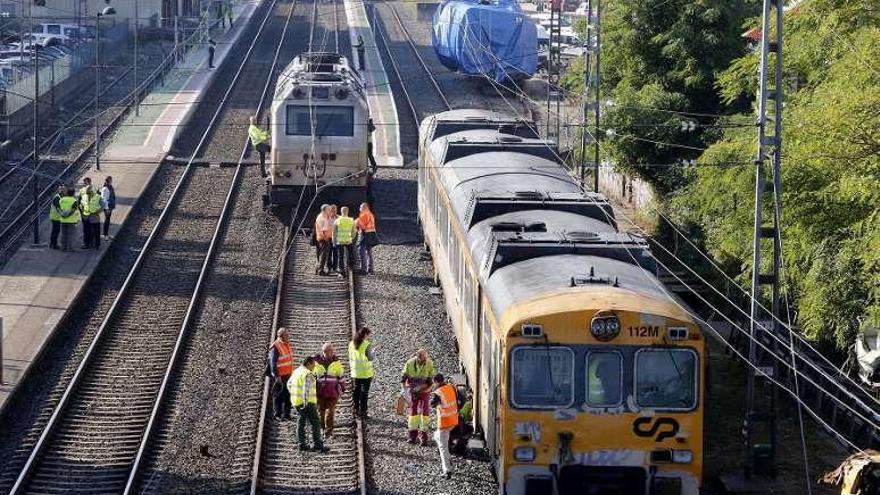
70, 206
335, 235
313, 390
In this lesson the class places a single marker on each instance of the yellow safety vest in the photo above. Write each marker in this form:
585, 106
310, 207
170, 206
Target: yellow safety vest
344, 230
361, 366
413, 369
90, 205
54, 213
302, 387
335, 369
257, 135
68, 211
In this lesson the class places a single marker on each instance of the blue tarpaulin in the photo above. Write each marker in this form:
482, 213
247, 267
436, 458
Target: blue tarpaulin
486, 38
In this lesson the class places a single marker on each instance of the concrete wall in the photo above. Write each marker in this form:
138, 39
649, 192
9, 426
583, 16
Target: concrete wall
627, 190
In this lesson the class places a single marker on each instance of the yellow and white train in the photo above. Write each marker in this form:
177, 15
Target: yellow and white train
588, 377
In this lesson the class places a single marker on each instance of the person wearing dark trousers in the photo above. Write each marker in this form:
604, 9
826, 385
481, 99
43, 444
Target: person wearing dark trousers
360, 363
211, 47
361, 50
304, 396
91, 206
87, 233
260, 141
55, 216
281, 368
229, 14
108, 197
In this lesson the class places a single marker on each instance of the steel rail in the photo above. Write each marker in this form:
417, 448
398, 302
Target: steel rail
127, 284
412, 45
154, 414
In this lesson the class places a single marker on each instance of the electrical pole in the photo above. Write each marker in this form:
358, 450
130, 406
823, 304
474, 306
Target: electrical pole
760, 420
592, 81
35, 187
553, 63
597, 81
585, 98
97, 90
137, 22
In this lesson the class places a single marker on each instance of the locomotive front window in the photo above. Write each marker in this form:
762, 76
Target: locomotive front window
328, 120
666, 378
543, 377
604, 378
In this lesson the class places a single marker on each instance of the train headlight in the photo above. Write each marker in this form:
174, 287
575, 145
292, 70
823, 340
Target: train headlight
298, 92
605, 326
682, 456
341, 93
524, 454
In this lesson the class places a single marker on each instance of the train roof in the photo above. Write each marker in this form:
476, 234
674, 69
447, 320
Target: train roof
453, 121
312, 69
534, 277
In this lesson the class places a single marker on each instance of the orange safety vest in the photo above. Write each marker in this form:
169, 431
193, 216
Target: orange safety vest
284, 360
366, 222
323, 228
447, 410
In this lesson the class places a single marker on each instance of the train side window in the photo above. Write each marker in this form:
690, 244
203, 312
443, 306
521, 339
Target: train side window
543, 377
604, 378
666, 379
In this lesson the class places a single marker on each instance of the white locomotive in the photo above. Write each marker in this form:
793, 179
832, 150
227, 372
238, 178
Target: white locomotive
321, 130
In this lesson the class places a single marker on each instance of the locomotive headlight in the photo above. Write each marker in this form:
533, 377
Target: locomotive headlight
605, 326
524, 454
682, 456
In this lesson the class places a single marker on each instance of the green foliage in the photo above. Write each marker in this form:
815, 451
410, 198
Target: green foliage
831, 172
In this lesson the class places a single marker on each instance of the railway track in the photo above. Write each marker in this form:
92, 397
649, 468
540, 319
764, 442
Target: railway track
316, 309
99, 430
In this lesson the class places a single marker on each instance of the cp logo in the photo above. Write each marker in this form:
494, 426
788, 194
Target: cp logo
661, 428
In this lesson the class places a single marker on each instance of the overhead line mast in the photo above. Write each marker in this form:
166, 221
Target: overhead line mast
760, 420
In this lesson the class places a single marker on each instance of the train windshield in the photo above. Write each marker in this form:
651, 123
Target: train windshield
543, 377
327, 120
666, 378
604, 378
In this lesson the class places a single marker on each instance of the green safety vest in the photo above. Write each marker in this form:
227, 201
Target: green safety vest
361, 366
335, 369
257, 135
68, 211
467, 411
344, 230
414, 370
90, 205
54, 213
302, 387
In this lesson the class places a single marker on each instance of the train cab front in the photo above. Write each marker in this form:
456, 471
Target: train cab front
615, 408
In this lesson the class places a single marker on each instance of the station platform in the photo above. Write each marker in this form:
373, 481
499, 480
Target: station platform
386, 139
38, 285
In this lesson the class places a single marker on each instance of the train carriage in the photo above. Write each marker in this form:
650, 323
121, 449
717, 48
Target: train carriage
588, 376
321, 129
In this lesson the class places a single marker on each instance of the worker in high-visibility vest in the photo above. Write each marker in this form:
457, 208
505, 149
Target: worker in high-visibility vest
91, 205
304, 396
329, 372
280, 362
344, 233
416, 386
68, 209
367, 238
445, 401
360, 364
86, 226
55, 216
260, 140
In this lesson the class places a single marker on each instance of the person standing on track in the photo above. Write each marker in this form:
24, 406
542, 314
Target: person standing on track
334, 254
361, 50
323, 240
367, 238
55, 216
329, 372
416, 383
343, 236
446, 403
360, 363
108, 197
260, 141
280, 369
304, 396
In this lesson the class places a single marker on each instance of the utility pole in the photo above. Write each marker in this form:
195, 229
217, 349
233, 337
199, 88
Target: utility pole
597, 81
97, 90
592, 81
553, 63
760, 420
35, 187
585, 97
137, 22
